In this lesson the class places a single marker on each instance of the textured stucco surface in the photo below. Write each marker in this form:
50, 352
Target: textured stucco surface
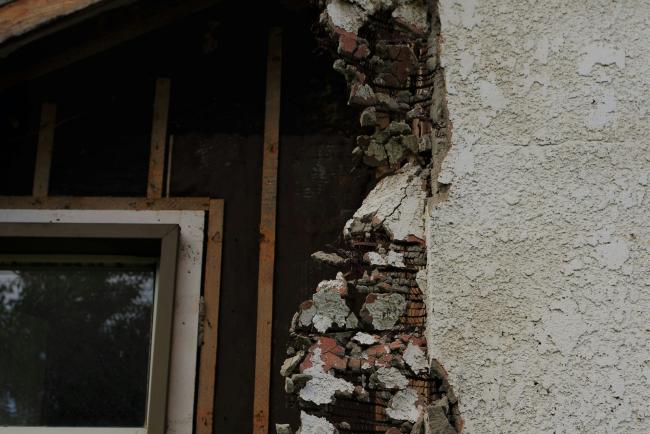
538, 262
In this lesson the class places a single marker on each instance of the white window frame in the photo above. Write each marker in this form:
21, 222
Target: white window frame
184, 335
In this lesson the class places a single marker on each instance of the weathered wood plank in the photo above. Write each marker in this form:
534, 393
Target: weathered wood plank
126, 203
20, 17
168, 176
44, 149
158, 138
211, 296
267, 235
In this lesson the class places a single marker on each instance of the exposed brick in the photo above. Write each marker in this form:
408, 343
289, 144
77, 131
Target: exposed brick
389, 68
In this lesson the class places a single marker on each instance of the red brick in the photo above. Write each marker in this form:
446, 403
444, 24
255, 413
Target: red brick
414, 239
354, 364
418, 341
306, 364
306, 304
362, 51
347, 43
376, 350
331, 361
368, 363
329, 345
385, 360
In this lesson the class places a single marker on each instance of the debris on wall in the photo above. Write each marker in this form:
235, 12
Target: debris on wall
357, 358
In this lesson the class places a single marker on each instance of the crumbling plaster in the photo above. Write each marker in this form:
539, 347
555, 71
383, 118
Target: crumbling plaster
357, 358
538, 260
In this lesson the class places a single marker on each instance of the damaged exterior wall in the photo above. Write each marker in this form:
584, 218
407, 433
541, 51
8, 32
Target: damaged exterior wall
538, 261
357, 358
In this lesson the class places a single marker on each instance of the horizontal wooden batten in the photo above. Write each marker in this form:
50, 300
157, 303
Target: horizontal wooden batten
69, 430
98, 203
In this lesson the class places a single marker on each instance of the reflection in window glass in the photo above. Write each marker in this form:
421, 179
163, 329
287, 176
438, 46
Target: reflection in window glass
74, 344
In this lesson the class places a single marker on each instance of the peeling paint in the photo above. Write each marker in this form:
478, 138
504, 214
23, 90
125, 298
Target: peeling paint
599, 54
491, 95
613, 254
413, 15
403, 406
384, 310
315, 425
391, 378
291, 363
396, 204
337, 285
330, 309
415, 358
346, 16
364, 338
322, 386
604, 112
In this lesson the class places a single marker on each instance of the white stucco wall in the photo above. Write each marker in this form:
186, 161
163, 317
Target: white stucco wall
539, 261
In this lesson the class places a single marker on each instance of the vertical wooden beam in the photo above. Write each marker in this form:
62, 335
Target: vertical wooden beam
267, 235
168, 178
43, 165
211, 294
158, 139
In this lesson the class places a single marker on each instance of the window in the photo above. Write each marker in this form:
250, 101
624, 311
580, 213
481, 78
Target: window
86, 319
76, 334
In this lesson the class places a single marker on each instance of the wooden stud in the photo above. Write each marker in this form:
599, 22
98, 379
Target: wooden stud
43, 165
158, 139
168, 176
125, 203
267, 235
211, 295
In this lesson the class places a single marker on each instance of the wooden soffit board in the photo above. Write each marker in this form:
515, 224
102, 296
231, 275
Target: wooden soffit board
22, 16
120, 24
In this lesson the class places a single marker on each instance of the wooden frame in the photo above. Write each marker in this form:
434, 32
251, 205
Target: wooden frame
211, 297
211, 274
68, 430
163, 308
99, 203
263, 342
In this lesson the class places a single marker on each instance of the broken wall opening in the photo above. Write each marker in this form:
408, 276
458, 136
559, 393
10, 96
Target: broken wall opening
320, 185
357, 358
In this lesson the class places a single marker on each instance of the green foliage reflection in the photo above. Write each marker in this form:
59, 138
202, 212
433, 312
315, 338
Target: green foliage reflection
74, 344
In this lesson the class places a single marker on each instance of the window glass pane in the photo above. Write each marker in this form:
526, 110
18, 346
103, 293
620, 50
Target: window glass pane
74, 344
